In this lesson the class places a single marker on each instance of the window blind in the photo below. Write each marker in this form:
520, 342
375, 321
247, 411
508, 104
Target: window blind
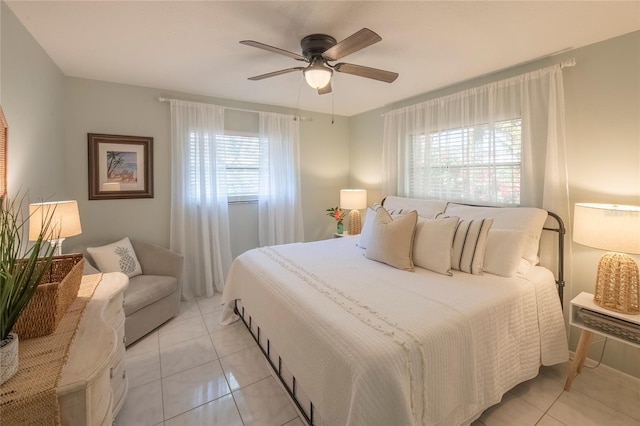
238, 158
481, 163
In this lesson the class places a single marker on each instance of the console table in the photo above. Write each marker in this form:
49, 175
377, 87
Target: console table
93, 384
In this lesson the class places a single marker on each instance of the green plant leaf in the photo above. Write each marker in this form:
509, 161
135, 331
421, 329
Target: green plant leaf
22, 267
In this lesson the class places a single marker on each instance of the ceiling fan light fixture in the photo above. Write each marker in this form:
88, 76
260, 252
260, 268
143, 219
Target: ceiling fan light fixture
317, 75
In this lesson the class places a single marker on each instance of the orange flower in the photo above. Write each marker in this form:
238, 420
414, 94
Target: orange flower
336, 213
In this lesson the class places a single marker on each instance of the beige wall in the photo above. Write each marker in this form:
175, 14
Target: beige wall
100, 107
602, 97
32, 95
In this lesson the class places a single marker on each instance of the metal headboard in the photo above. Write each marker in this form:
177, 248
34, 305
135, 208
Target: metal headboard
561, 230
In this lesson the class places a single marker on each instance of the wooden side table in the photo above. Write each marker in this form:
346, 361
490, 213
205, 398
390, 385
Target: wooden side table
591, 318
344, 234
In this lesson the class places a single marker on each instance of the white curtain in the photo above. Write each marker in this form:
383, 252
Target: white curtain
279, 205
199, 209
536, 97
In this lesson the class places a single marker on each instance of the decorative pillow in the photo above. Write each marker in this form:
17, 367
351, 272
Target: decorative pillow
432, 244
503, 254
524, 267
365, 233
391, 240
469, 244
116, 257
528, 219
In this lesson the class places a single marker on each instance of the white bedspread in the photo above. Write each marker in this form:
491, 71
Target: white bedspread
373, 345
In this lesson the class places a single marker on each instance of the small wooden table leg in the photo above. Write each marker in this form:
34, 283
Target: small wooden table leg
580, 357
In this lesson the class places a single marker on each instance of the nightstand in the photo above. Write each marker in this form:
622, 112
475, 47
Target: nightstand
591, 318
344, 234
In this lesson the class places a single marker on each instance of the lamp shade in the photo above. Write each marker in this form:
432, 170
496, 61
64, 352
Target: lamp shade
65, 219
317, 75
607, 227
353, 199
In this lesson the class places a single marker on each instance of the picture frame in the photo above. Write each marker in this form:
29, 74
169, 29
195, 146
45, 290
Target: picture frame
4, 140
120, 167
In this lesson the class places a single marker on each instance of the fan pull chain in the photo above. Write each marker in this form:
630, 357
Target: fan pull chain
332, 106
299, 93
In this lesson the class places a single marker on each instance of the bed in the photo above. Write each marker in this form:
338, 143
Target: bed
356, 341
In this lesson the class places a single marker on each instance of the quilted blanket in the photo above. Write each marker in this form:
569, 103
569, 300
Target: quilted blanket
373, 345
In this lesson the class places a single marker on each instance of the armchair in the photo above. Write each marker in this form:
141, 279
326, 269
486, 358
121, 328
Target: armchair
153, 298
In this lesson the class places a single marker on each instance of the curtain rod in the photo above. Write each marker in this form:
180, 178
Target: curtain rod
299, 117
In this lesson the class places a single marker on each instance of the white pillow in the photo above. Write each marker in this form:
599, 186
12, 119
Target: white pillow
503, 254
391, 240
365, 233
528, 219
524, 267
469, 244
116, 257
432, 244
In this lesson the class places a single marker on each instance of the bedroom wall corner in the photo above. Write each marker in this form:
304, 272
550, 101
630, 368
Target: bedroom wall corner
365, 154
324, 162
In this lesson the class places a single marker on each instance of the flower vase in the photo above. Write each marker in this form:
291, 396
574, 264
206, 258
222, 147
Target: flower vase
8, 357
340, 227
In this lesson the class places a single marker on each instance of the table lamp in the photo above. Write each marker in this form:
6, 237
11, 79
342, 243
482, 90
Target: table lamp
614, 228
353, 199
65, 221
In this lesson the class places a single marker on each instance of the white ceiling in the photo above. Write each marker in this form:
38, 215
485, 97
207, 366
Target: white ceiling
193, 46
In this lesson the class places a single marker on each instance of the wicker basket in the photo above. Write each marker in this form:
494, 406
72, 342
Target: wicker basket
56, 292
625, 330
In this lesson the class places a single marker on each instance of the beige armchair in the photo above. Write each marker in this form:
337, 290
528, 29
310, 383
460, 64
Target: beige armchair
153, 298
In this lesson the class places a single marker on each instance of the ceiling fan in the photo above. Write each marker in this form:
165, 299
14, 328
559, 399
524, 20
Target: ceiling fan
320, 49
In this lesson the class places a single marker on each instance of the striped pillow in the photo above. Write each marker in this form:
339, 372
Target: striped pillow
469, 243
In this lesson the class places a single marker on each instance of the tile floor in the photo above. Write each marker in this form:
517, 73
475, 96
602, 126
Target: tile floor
193, 371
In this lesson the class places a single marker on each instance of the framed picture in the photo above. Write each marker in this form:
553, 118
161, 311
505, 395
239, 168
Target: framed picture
3, 154
120, 167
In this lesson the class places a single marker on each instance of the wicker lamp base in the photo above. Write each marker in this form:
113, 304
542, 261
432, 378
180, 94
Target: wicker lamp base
617, 284
355, 222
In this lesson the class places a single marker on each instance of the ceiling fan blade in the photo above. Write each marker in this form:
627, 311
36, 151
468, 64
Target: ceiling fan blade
324, 90
361, 39
273, 49
275, 73
361, 71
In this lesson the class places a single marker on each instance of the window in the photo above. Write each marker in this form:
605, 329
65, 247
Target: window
238, 159
479, 164
241, 159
